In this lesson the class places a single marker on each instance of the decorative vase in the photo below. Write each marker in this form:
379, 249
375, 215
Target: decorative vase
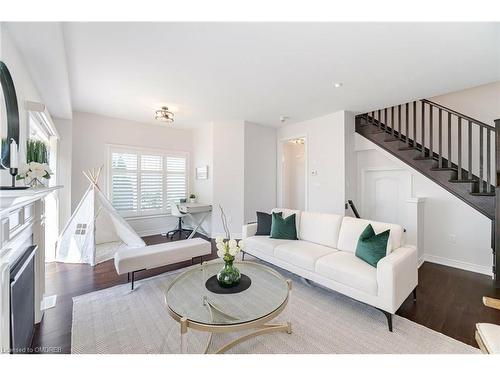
228, 276
36, 183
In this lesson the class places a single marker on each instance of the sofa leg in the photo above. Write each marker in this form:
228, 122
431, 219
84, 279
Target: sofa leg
128, 277
389, 319
415, 294
133, 278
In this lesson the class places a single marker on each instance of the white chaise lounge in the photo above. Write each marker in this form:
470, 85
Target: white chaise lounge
131, 260
325, 254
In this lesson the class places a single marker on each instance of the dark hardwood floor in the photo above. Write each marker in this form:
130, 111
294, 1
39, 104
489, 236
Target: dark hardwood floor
448, 299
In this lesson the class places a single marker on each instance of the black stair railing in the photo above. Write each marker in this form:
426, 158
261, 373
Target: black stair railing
466, 148
495, 228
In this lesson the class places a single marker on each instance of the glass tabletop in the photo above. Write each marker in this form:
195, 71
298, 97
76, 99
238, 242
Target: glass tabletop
188, 297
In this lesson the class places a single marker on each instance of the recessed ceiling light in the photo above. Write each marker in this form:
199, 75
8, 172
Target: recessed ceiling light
338, 84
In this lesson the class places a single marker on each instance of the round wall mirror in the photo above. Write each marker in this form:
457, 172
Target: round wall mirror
9, 115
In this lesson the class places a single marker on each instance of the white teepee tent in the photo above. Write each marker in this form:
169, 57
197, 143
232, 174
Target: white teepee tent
95, 230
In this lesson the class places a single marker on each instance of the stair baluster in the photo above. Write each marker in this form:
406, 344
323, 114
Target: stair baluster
481, 182
399, 122
490, 188
422, 121
459, 137
449, 141
415, 125
469, 155
431, 131
440, 138
392, 121
406, 123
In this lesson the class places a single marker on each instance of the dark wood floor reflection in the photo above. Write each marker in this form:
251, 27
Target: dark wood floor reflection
448, 300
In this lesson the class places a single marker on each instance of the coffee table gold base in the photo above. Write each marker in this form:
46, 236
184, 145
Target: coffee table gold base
260, 325
266, 328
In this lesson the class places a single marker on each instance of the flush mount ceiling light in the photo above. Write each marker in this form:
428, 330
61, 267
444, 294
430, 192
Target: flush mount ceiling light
164, 115
297, 141
338, 84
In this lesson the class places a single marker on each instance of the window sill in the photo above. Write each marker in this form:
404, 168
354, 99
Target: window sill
141, 217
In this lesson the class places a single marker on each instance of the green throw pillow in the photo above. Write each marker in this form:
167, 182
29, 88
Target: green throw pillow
372, 247
283, 228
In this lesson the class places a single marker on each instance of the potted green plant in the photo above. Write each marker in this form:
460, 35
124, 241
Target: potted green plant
36, 170
192, 198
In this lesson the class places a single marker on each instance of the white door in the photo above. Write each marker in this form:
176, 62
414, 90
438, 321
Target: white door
384, 195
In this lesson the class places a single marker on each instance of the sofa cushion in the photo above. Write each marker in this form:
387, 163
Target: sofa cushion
302, 254
287, 212
345, 268
351, 229
263, 244
264, 221
283, 228
372, 247
320, 228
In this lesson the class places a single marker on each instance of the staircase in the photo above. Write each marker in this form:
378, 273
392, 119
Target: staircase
454, 150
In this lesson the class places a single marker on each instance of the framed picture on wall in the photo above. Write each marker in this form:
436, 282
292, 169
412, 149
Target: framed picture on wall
202, 172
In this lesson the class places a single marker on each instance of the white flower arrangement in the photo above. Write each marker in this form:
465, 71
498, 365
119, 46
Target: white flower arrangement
228, 249
34, 171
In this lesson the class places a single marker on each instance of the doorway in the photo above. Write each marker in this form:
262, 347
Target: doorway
293, 187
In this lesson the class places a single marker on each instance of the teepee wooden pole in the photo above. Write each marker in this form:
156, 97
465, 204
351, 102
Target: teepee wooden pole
99, 174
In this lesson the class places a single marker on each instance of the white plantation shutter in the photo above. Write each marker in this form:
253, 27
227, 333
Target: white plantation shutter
124, 181
143, 183
176, 178
151, 182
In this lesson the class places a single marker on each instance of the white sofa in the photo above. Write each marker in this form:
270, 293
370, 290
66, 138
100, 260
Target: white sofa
325, 254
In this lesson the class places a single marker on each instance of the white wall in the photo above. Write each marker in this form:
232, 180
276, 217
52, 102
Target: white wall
480, 102
90, 135
454, 233
25, 91
325, 160
260, 170
228, 175
203, 155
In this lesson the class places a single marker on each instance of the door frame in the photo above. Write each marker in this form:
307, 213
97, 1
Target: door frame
279, 175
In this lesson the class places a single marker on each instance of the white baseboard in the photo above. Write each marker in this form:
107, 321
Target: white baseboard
458, 264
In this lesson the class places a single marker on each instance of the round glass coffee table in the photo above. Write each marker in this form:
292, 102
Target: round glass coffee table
191, 304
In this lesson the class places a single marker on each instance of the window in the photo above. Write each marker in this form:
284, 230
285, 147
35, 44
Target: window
143, 182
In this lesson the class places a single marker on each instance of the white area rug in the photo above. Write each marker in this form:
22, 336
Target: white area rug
118, 320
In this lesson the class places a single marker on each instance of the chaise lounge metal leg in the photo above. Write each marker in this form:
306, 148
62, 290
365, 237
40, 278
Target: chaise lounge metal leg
242, 256
415, 294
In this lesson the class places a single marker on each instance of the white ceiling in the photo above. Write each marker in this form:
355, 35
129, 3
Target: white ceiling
259, 71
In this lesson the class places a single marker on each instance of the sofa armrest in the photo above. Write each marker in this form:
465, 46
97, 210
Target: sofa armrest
249, 230
397, 276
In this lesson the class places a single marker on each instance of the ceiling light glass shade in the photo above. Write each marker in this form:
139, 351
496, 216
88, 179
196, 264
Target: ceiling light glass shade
164, 115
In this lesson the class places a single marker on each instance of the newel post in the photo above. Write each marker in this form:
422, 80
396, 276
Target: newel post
496, 224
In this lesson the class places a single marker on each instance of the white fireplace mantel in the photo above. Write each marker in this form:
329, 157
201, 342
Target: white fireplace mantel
22, 221
12, 199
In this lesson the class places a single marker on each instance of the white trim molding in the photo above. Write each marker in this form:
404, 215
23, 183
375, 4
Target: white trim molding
458, 264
